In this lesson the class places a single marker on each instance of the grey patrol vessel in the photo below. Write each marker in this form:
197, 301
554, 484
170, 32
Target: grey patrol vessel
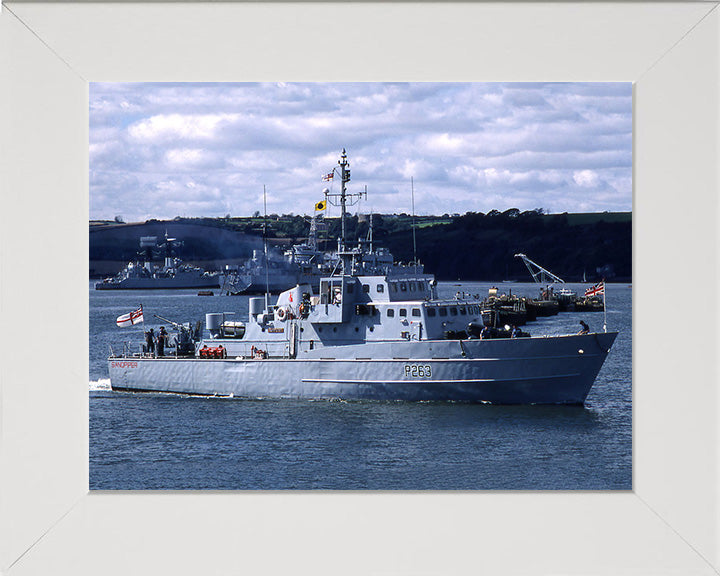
379, 336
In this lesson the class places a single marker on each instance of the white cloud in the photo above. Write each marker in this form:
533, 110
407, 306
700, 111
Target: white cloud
446, 143
585, 178
173, 126
474, 146
189, 159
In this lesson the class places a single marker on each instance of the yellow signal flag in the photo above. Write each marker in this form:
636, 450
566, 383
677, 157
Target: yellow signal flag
320, 205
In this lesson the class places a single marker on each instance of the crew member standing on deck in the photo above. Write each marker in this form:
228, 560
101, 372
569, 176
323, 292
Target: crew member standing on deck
162, 340
150, 341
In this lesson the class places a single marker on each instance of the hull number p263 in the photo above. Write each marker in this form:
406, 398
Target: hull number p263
418, 371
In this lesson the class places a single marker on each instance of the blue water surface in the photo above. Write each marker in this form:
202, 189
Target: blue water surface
164, 441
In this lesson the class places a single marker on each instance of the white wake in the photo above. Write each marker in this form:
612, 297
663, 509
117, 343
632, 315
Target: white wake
101, 384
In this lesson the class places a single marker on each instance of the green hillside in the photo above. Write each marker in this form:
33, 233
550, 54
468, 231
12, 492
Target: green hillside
472, 246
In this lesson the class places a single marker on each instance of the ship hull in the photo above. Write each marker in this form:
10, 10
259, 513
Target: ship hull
160, 283
552, 370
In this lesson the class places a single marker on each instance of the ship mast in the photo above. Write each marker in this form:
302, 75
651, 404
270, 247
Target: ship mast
370, 234
344, 179
344, 199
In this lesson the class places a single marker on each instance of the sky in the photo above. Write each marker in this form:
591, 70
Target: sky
197, 149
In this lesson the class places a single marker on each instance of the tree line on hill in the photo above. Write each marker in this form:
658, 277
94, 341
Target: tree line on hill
472, 246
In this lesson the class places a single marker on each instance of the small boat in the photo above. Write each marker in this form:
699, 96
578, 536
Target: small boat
589, 304
543, 308
503, 310
565, 298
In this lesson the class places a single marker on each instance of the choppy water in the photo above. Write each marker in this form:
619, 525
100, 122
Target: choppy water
156, 441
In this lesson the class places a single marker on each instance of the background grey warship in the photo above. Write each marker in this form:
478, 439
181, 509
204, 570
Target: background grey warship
142, 274
366, 336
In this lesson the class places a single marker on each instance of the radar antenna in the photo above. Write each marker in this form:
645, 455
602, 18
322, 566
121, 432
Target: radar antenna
539, 274
169, 249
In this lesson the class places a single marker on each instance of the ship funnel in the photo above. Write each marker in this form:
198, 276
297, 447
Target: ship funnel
214, 324
257, 306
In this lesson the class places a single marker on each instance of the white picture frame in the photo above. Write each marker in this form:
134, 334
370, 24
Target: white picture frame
50, 523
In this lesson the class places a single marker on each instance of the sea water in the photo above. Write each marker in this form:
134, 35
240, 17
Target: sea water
141, 441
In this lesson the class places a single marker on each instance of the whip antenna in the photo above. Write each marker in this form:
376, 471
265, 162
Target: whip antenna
265, 249
412, 194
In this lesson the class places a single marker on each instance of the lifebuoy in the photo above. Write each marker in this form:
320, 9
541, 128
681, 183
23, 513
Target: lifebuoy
281, 314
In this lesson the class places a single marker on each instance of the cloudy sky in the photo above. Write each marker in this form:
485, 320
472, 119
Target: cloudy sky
166, 150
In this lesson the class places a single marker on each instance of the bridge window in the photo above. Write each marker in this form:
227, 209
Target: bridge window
431, 312
453, 311
403, 287
380, 288
462, 311
350, 288
403, 312
324, 292
393, 287
366, 288
412, 286
416, 312
442, 311
390, 312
